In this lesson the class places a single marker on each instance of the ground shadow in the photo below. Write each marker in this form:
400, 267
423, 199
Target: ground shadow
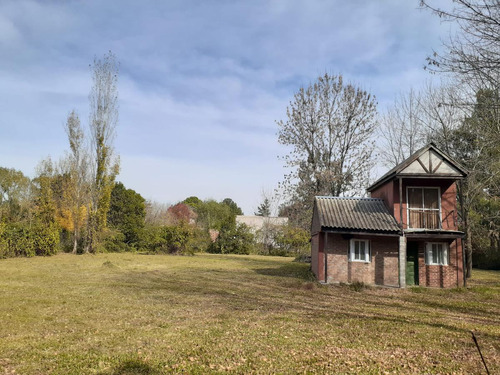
132, 367
287, 270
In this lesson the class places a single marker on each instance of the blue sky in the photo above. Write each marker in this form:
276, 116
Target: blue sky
201, 82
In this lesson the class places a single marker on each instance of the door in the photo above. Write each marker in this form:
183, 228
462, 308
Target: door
412, 263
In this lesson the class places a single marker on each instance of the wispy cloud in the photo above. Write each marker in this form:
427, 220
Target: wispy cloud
201, 82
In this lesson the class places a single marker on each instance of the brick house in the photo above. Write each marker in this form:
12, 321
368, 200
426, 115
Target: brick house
405, 234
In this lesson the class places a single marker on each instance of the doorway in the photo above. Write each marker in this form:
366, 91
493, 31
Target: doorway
412, 263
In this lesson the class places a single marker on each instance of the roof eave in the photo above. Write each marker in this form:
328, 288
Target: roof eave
367, 232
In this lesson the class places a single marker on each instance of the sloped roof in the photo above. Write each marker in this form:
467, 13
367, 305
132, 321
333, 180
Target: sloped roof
426, 162
355, 214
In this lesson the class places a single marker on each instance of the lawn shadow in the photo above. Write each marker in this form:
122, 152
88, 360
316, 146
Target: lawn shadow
293, 270
132, 367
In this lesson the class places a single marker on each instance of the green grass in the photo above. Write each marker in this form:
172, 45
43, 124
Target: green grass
151, 314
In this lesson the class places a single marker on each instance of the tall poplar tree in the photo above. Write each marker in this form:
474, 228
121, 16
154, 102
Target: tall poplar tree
104, 164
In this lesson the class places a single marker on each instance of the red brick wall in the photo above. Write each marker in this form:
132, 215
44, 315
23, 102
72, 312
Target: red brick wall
385, 192
448, 200
315, 254
389, 192
382, 270
449, 276
318, 256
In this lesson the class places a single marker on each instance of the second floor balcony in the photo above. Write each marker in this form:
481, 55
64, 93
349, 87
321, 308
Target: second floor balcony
424, 219
424, 208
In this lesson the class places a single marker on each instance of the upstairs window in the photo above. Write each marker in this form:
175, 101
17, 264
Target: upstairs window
423, 208
436, 253
359, 251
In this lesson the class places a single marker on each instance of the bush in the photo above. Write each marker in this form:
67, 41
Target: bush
23, 239
18, 240
45, 238
113, 241
199, 240
153, 239
236, 239
175, 239
292, 240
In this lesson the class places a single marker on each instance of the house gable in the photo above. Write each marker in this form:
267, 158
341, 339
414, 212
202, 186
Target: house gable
429, 161
432, 163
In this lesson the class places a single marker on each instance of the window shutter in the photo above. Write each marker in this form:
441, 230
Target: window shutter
445, 254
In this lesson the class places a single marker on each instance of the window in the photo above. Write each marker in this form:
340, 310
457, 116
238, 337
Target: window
423, 208
436, 253
359, 251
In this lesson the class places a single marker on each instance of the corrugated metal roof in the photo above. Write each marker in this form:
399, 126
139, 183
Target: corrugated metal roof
355, 214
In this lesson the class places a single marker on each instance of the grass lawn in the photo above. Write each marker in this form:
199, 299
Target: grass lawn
151, 314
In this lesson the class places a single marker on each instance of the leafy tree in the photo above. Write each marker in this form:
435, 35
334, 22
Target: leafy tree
475, 143
127, 213
192, 201
215, 215
76, 185
44, 228
15, 194
103, 120
329, 127
180, 213
264, 208
235, 209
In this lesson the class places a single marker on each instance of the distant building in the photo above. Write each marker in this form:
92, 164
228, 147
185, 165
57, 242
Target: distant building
262, 226
255, 222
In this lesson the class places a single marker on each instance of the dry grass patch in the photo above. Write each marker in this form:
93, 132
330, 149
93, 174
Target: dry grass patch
141, 314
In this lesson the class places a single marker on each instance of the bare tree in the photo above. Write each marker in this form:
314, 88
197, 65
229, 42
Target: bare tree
402, 130
474, 51
329, 127
103, 120
156, 213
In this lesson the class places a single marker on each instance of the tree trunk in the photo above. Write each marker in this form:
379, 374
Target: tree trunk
468, 252
75, 245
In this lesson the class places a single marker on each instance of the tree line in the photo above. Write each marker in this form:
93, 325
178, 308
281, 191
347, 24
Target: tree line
75, 205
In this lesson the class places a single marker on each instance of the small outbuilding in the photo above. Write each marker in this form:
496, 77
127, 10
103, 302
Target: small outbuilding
406, 233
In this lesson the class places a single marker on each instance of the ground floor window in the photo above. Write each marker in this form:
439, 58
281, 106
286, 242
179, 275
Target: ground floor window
436, 253
359, 250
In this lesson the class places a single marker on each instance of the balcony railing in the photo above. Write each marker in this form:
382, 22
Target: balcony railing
424, 219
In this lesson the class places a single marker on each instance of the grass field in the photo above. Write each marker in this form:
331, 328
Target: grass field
145, 314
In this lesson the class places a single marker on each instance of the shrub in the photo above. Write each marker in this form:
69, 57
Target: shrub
199, 240
24, 239
236, 239
45, 238
153, 239
177, 238
291, 240
113, 240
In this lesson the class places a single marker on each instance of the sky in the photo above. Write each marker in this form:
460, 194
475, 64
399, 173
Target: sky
201, 82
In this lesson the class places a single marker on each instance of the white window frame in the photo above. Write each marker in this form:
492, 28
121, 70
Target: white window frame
428, 254
408, 209
367, 253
